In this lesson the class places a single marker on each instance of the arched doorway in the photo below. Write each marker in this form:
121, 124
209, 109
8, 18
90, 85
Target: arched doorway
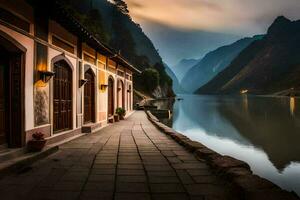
62, 98
110, 91
89, 97
120, 94
11, 92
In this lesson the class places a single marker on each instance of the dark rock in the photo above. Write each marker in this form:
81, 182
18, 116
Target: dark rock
274, 194
254, 183
225, 162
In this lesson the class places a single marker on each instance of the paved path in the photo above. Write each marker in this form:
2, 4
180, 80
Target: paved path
127, 160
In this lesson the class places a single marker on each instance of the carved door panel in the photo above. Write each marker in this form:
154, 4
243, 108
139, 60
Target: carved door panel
62, 99
89, 98
110, 97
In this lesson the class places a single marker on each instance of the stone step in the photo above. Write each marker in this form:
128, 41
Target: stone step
8, 153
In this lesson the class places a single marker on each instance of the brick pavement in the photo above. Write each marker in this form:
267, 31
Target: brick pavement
130, 159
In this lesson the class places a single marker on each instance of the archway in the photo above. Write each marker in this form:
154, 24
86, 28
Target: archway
110, 91
89, 97
120, 94
12, 57
62, 98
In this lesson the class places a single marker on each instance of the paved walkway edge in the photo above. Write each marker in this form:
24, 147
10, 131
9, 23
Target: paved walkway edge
21, 163
237, 172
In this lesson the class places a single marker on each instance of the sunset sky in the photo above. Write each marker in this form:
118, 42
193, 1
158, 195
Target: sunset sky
231, 19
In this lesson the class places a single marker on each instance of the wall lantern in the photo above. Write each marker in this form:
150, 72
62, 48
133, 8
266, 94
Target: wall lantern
82, 82
103, 86
46, 76
128, 91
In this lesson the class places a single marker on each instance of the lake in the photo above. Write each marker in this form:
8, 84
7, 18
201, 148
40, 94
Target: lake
262, 131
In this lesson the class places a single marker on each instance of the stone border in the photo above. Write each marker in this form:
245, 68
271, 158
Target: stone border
19, 164
236, 171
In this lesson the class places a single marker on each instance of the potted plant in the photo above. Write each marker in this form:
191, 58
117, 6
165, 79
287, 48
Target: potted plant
121, 112
37, 143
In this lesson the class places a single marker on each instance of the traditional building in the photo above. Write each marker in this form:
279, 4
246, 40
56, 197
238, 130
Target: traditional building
55, 77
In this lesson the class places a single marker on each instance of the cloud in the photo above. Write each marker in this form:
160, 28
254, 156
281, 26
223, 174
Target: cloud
228, 16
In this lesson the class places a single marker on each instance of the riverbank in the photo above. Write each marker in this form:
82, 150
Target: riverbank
235, 171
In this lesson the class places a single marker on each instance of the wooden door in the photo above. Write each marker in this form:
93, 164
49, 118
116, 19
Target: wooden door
3, 97
15, 116
89, 98
110, 97
62, 99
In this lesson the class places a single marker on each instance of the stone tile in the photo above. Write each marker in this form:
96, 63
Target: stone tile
133, 172
132, 187
170, 197
96, 195
190, 166
132, 179
168, 153
174, 160
132, 196
199, 172
205, 179
127, 166
205, 189
185, 177
163, 179
101, 178
100, 186
103, 171
162, 173
104, 166
158, 168
166, 188
68, 186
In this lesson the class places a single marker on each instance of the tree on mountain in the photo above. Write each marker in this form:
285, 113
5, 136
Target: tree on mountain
122, 7
122, 40
93, 21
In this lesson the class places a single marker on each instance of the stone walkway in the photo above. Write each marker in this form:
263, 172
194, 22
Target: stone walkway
127, 160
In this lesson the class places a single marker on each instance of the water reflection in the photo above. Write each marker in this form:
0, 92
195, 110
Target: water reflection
263, 131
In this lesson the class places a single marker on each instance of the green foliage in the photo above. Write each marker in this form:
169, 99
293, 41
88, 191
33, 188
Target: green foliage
122, 39
164, 77
121, 112
147, 81
93, 21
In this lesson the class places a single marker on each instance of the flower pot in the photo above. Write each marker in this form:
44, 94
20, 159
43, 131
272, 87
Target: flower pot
36, 145
121, 117
116, 118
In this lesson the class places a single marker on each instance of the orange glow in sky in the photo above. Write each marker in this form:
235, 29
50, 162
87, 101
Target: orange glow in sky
231, 16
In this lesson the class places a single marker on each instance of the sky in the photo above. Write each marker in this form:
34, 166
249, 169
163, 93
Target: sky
191, 28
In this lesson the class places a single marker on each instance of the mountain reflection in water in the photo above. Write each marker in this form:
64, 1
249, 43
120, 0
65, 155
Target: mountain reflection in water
262, 131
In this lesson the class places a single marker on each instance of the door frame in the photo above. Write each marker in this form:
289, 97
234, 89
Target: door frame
51, 85
16, 47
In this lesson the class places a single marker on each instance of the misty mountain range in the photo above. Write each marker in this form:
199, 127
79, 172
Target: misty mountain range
262, 64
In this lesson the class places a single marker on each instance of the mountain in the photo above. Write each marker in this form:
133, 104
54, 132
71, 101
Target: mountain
213, 63
183, 66
176, 86
266, 66
111, 23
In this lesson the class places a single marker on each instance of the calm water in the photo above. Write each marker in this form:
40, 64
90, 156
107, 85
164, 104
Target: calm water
262, 131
